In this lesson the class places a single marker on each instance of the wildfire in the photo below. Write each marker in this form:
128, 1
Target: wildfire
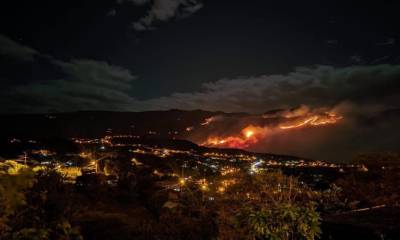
316, 120
248, 133
207, 121
248, 136
253, 134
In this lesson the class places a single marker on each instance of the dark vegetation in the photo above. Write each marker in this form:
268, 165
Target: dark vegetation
94, 124
270, 205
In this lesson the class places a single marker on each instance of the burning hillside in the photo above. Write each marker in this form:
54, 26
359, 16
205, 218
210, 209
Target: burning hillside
245, 131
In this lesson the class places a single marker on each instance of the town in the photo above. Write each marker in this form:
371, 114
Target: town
191, 162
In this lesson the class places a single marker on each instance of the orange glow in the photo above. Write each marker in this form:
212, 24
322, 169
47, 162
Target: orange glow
207, 121
182, 181
299, 124
315, 120
250, 135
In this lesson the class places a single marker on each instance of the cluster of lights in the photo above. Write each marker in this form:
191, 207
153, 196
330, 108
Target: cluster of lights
229, 170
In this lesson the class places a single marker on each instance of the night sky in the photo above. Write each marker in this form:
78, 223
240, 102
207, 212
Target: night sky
135, 55
233, 56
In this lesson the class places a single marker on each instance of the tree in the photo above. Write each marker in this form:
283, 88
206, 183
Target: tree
269, 206
34, 206
13, 183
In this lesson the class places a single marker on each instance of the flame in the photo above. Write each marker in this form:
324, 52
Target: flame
248, 133
315, 120
253, 134
248, 136
207, 121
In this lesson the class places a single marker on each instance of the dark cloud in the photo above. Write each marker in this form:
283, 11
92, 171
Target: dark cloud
380, 59
318, 86
12, 49
389, 41
84, 85
87, 85
112, 13
314, 86
164, 10
136, 2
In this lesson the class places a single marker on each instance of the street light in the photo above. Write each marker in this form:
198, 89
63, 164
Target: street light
182, 181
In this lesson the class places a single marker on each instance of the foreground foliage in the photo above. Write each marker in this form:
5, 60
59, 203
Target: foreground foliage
32, 205
124, 202
268, 206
